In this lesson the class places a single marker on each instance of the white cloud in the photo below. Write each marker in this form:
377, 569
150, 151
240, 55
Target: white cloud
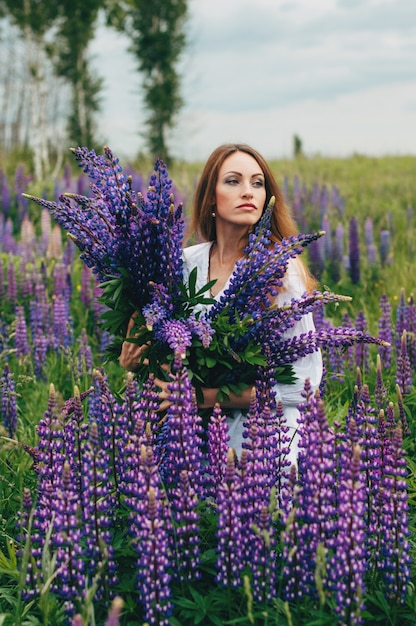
338, 73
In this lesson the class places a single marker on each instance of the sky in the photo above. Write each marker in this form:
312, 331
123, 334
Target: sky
339, 74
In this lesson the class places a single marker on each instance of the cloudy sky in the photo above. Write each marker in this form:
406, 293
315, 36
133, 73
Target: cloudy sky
341, 74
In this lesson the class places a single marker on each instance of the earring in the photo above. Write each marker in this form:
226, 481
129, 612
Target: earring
213, 214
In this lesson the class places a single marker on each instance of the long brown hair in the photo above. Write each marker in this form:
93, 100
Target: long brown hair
203, 224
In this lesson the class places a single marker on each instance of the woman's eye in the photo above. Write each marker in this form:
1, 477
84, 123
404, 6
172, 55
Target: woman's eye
231, 181
258, 183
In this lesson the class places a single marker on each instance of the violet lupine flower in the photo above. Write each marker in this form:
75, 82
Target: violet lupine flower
50, 450
11, 282
181, 437
263, 558
347, 565
75, 435
9, 242
183, 505
5, 195
230, 558
20, 339
385, 331
202, 329
154, 560
46, 229
98, 509
84, 356
316, 479
384, 246
116, 228
2, 285
368, 231
354, 251
40, 348
8, 403
66, 539
62, 323
218, 439
85, 289
366, 421
403, 367
394, 558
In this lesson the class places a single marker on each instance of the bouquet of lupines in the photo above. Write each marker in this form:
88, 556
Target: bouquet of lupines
134, 247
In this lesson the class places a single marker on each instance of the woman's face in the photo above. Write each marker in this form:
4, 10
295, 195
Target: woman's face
240, 192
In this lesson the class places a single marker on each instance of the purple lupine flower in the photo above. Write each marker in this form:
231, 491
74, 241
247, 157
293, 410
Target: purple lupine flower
316, 479
385, 331
154, 560
263, 558
218, 439
354, 251
372, 254
11, 281
230, 557
183, 505
181, 437
347, 565
8, 403
366, 419
98, 508
403, 367
9, 242
202, 329
117, 228
84, 357
5, 196
66, 539
85, 288
62, 323
385, 247
394, 555
40, 348
75, 434
368, 231
178, 337
20, 339
2, 284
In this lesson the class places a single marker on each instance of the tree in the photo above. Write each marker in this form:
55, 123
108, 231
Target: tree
33, 19
157, 33
76, 28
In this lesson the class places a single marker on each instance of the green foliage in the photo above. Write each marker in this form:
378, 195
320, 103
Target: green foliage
157, 34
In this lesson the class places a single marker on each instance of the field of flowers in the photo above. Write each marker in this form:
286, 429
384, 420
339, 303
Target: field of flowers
113, 514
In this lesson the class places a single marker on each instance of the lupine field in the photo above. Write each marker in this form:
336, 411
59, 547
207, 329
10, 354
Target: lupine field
115, 514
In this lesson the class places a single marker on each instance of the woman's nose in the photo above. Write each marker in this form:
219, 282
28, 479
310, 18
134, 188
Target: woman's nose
247, 192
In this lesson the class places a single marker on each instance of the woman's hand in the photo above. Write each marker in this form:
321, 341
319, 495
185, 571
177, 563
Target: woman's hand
132, 353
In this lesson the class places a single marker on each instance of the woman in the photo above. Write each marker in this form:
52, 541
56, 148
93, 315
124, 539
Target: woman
233, 191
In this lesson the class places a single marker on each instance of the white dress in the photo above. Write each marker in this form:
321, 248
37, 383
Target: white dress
309, 366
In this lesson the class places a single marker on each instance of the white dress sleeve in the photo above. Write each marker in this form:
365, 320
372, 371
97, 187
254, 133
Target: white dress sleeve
309, 366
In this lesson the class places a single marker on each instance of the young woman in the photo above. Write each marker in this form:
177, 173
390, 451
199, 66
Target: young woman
233, 191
